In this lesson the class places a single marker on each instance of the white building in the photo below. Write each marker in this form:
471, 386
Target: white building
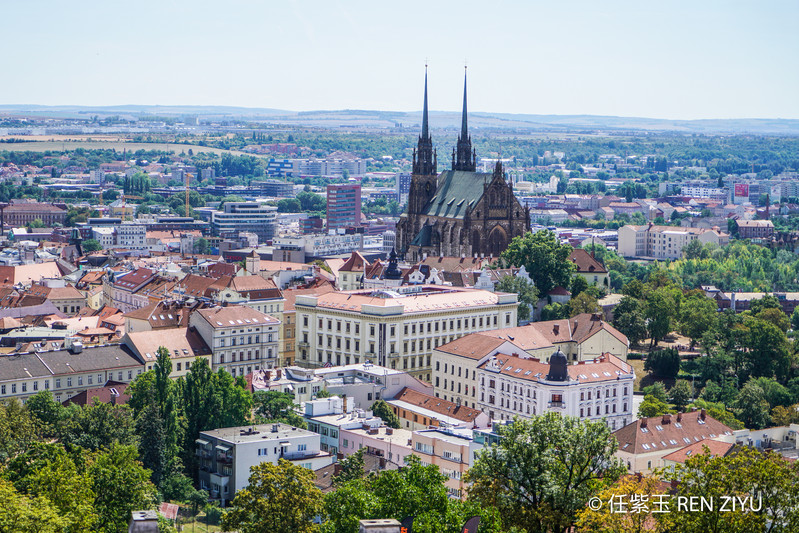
226, 455
131, 236
664, 242
241, 338
397, 328
602, 389
245, 216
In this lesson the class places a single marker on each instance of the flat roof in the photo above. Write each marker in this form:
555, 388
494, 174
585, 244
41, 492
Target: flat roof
261, 432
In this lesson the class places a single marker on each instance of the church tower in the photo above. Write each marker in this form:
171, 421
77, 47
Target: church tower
425, 171
463, 157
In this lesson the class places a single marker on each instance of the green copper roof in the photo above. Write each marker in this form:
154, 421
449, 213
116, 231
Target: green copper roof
423, 237
457, 191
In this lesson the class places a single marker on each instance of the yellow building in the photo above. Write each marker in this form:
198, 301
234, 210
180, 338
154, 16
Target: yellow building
398, 328
589, 268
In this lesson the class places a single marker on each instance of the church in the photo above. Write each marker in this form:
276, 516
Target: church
460, 212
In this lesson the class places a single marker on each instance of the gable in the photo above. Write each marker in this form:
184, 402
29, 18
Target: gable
457, 191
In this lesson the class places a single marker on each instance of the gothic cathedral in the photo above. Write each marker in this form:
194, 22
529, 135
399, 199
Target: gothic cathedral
460, 212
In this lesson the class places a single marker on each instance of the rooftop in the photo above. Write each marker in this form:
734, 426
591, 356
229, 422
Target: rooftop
256, 433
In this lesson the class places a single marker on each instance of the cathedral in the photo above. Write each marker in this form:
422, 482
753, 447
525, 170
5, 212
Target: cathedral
459, 212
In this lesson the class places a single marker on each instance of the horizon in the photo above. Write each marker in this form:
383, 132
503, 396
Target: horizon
682, 61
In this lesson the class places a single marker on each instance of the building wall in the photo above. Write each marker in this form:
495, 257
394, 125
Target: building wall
407, 341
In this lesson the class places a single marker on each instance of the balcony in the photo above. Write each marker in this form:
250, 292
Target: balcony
560, 405
296, 456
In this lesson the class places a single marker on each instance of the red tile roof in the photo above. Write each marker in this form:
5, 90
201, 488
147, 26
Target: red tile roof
715, 448
668, 432
437, 405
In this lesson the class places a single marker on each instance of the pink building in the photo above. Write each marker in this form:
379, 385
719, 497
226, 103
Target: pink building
393, 445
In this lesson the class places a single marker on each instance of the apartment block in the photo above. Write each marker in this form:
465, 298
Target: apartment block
664, 242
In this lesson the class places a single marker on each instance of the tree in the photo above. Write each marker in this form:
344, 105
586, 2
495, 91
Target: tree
542, 471
658, 390
770, 477
775, 316
544, 257
99, 425
381, 409
752, 407
555, 311
91, 245
608, 520
766, 348
18, 430
48, 412
663, 363
660, 308
121, 485
697, 315
583, 303
579, 284
201, 246
628, 318
692, 250
528, 294
768, 301
276, 406
280, 498
23, 514
152, 442
680, 394
413, 490
352, 467
652, 406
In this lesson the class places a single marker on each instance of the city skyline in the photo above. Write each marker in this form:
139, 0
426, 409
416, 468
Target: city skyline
681, 61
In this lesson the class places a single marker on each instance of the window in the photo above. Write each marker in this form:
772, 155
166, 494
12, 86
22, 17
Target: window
178, 367
35, 385
302, 447
13, 388
2, 389
24, 387
69, 382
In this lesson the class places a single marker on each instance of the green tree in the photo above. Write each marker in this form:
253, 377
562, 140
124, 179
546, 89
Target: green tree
352, 467
658, 390
766, 348
768, 301
579, 284
752, 407
91, 245
28, 514
152, 442
18, 429
663, 363
697, 315
280, 498
99, 425
121, 485
606, 520
50, 414
544, 257
747, 471
276, 406
201, 246
660, 309
542, 471
381, 409
528, 295
628, 318
680, 394
555, 311
652, 406
583, 303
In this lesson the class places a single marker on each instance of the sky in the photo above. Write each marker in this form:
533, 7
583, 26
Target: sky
669, 59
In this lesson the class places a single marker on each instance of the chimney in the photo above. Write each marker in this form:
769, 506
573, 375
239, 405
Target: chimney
556, 329
679, 416
638, 476
643, 422
277, 374
702, 414
666, 419
268, 375
344, 404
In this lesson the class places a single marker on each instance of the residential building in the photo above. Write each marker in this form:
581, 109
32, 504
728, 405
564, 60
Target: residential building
452, 451
351, 273
397, 328
664, 242
327, 417
754, 229
644, 443
317, 244
343, 205
584, 337
184, 345
390, 445
131, 236
589, 268
227, 455
288, 336
231, 332
66, 298
245, 216
66, 372
417, 410
513, 385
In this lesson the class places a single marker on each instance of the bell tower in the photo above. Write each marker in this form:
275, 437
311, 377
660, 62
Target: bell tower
463, 157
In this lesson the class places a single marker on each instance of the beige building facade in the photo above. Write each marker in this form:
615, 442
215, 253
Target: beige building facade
398, 329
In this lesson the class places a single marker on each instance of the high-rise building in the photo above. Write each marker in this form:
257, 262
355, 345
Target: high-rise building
343, 205
245, 216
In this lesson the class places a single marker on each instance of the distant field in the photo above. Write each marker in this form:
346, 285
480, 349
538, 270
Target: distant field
70, 143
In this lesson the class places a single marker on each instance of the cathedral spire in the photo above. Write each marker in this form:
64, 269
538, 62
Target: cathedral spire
463, 156
424, 163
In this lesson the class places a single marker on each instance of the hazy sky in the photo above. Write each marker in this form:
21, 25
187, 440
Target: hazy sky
667, 59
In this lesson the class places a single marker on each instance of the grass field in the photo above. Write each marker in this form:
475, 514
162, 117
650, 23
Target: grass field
101, 143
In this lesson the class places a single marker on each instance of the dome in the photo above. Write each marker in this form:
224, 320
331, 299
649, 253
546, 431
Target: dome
558, 367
